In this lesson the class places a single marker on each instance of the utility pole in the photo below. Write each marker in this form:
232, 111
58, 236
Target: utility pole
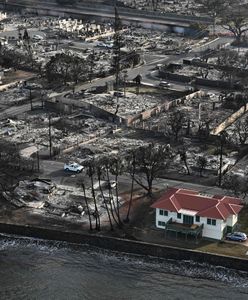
5, 5
38, 160
117, 54
50, 135
30, 98
92, 63
125, 76
117, 47
222, 140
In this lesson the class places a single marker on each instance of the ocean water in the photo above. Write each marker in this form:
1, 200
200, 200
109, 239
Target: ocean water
36, 269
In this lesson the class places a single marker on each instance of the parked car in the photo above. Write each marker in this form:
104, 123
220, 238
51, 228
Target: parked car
164, 84
118, 94
37, 37
105, 185
73, 167
236, 236
101, 44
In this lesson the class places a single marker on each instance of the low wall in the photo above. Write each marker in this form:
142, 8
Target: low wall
198, 81
126, 246
230, 120
68, 105
162, 108
203, 64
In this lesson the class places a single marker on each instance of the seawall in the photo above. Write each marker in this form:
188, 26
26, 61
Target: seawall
126, 246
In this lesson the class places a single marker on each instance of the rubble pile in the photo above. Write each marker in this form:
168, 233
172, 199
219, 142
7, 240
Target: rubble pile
34, 129
83, 30
104, 147
14, 96
61, 200
130, 105
175, 6
51, 35
200, 72
155, 41
193, 152
200, 110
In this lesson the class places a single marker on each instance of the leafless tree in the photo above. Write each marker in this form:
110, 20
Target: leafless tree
241, 130
184, 158
214, 8
113, 208
65, 67
201, 164
100, 170
227, 60
237, 185
236, 23
176, 122
117, 168
150, 161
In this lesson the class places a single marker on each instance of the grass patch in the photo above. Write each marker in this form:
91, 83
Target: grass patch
224, 248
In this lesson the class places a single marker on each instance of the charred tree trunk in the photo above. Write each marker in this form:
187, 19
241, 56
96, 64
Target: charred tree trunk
97, 217
104, 200
87, 206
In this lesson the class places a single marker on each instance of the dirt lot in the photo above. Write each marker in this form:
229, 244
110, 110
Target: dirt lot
17, 76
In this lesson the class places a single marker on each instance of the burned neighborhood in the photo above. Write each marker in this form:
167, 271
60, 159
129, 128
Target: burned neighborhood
126, 123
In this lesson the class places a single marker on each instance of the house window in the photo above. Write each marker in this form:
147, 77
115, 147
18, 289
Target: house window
163, 212
197, 218
211, 222
179, 216
160, 223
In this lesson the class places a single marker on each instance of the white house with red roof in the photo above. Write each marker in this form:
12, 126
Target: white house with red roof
213, 215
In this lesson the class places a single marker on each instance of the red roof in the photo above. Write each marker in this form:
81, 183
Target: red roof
215, 207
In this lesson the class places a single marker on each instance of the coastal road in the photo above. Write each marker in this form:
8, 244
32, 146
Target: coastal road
54, 171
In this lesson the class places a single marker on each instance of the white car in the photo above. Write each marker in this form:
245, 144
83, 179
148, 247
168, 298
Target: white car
73, 167
164, 84
37, 37
104, 185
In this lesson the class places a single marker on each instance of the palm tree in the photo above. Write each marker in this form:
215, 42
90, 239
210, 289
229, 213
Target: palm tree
117, 169
87, 206
113, 209
91, 172
99, 173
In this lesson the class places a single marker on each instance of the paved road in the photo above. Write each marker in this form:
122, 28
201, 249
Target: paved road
17, 110
54, 170
146, 69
